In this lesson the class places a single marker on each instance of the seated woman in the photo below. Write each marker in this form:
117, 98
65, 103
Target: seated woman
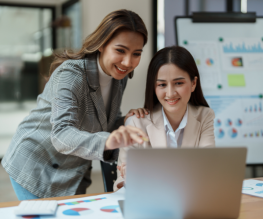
179, 114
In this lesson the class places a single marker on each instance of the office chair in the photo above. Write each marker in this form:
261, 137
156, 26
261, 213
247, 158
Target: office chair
109, 175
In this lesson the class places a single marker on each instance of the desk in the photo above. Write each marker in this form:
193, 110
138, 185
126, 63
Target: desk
251, 207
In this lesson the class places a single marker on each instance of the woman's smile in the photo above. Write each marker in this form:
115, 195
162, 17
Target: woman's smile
172, 101
121, 70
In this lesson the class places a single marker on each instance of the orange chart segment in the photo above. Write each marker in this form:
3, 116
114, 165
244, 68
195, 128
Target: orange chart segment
111, 209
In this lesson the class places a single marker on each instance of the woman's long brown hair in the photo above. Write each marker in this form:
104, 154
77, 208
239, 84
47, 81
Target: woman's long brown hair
114, 22
183, 59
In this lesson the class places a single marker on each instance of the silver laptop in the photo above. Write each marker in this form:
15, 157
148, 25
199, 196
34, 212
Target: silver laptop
184, 183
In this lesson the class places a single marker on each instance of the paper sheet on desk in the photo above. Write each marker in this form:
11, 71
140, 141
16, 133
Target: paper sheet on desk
100, 206
253, 187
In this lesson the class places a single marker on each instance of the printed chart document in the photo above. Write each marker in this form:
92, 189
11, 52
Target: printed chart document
253, 187
97, 207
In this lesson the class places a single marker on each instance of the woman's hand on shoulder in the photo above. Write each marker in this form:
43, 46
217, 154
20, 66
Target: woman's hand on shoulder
125, 136
140, 112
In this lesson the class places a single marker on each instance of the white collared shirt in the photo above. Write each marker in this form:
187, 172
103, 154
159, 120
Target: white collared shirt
105, 86
174, 138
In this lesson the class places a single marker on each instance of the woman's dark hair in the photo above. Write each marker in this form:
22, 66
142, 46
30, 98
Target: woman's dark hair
183, 59
113, 23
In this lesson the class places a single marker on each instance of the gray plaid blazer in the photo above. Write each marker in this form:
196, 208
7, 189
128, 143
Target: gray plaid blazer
51, 152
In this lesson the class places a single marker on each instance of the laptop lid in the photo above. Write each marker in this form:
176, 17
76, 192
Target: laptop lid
184, 183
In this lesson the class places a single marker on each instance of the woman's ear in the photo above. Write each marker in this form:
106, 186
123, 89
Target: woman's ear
194, 82
100, 49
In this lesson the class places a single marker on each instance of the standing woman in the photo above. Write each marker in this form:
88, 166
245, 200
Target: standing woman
77, 114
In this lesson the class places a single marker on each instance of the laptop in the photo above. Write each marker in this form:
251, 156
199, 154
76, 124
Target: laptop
184, 183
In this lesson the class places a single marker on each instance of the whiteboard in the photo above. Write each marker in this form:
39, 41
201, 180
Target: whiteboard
229, 57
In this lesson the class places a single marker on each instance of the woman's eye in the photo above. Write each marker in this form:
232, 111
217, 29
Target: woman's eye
120, 50
161, 85
137, 54
179, 83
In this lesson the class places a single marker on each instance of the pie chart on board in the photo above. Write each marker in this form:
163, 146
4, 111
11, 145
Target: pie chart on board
237, 62
218, 123
228, 122
232, 133
220, 133
239, 122
77, 211
209, 62
111, 209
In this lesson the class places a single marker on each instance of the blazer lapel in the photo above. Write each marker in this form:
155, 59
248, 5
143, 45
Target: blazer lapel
192, 129
95, 91
156, 130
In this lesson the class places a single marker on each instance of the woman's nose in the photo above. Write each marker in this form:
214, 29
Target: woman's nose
127, 61
171, 92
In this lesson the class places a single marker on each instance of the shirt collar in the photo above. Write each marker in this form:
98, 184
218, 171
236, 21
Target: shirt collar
168, 126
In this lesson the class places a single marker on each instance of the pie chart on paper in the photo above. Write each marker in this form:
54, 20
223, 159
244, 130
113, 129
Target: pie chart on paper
111, 209
77, 211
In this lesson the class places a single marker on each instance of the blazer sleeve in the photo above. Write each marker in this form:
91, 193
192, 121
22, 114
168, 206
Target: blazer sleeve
207, 137
65, 135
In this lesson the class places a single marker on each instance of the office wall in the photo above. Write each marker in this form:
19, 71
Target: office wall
94, 11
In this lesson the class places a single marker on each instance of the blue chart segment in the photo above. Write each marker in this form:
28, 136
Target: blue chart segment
77, 211
259, 184
243, 48
220, 133
111, 209
259, 192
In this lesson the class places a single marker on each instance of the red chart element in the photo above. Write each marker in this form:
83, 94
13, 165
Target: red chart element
237, 62
111, 209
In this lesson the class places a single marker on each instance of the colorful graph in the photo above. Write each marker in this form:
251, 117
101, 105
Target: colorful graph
111, 209
232, 133
209, 62
242, 48
254, 108
228, 122
81, 201
220, 133
31, 217
247, 188
259, 184
218, 123
237, 62
239, 122
77, 211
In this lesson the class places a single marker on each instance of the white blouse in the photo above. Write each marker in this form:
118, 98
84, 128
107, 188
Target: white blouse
174, 138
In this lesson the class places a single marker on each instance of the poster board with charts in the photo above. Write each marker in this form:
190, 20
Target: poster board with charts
229, 57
